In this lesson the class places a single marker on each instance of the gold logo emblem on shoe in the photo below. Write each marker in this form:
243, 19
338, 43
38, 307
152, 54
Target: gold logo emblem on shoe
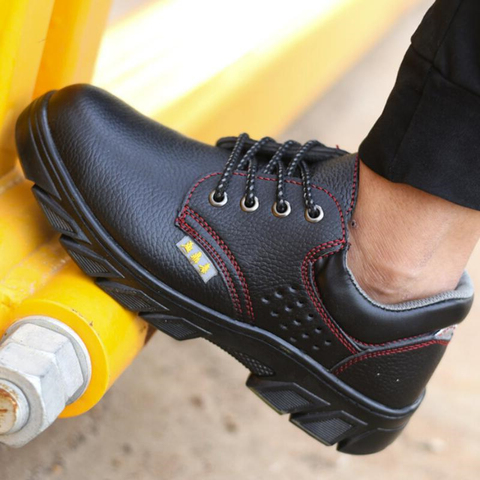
204, 268
187, 247
197, 258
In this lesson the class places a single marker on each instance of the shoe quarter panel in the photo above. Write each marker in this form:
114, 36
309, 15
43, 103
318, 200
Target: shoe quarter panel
270, 258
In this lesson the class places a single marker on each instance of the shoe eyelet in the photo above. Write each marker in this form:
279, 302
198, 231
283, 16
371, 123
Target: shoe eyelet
216, 203
316, 219
284, 214
249, 209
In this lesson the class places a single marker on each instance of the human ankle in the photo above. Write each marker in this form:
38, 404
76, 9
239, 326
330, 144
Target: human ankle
407, 244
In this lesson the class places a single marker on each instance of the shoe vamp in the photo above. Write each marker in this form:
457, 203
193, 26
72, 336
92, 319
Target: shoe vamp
134, 181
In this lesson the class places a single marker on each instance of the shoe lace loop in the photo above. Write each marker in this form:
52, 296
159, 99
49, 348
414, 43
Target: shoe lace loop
298, 162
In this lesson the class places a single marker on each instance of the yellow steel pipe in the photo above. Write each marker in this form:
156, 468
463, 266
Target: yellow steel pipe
26, 260
71, 46
113, 336
27, 277
23, 28
21, 232
36, 276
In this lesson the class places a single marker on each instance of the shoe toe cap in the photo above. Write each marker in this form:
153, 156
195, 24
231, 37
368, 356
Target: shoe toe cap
132, 172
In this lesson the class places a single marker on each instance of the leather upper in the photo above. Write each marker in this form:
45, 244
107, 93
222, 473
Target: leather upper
149, 187
133, 173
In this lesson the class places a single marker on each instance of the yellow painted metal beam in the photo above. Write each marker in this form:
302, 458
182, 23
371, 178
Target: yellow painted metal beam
76, 29
112, 335
264, 92
21, 232
274, 65
27, 277
46, 45
23, 28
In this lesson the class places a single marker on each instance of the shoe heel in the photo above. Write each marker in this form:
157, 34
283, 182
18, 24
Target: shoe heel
370, 442
323, 420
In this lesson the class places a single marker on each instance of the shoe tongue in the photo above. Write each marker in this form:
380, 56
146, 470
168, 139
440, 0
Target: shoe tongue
316, 153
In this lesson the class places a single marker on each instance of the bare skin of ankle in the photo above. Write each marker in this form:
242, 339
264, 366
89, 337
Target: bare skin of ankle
407, 244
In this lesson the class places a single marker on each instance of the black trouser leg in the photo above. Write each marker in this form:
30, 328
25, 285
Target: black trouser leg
428, 136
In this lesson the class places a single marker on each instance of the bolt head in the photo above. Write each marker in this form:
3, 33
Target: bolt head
43, 362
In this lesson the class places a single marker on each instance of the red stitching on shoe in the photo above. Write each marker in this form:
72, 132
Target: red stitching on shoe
233, 293
294, 182
308, 260
354, 185
198, 183
313, 292
390, 342
343, 337
305, 264
248, 301
231, 286
382, 353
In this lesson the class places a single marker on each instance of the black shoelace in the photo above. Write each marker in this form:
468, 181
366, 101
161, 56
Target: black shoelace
281, 207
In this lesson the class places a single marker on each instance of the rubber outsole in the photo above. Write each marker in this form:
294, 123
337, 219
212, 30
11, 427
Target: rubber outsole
281, 375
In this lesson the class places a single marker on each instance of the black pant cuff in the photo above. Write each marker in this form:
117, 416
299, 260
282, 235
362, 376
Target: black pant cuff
428, 135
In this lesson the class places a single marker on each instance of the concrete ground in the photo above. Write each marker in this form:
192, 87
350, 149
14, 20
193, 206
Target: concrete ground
182, 412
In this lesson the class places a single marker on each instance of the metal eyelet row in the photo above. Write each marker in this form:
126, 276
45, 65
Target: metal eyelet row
223, 201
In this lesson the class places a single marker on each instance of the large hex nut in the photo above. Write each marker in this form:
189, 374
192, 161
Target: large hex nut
49, 364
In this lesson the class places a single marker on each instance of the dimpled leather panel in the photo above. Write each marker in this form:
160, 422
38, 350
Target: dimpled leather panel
273, 254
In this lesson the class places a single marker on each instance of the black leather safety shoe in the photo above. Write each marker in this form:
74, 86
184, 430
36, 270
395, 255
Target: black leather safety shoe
243, 244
